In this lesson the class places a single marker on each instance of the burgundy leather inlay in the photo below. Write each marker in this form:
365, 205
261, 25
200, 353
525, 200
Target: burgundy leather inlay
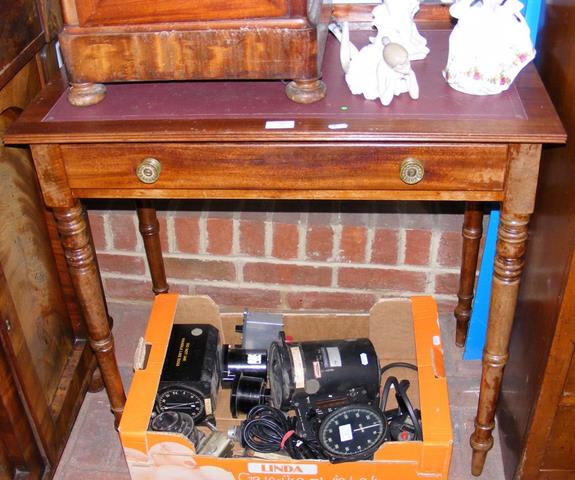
266, 99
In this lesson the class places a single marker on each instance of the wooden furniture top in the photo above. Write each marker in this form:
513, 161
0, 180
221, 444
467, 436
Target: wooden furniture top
120, 12
216, 111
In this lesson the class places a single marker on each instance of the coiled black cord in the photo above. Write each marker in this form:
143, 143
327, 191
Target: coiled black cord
401, 389
267, 429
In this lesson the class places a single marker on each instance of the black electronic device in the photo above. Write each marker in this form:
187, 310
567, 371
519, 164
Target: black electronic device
247, 392
312, 410
327, 367
191, 375
236, 360
177, 422
353, 432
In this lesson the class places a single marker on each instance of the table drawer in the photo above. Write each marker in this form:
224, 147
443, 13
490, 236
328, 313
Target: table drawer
334, 167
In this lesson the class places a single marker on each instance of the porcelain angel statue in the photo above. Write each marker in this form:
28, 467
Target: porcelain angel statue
379, 70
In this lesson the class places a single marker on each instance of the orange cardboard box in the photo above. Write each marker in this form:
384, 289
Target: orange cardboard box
401, 330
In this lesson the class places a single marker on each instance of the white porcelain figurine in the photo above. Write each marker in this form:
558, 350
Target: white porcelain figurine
394, 19
379, 70
488, 47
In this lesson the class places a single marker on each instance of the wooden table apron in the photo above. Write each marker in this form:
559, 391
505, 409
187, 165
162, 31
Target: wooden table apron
471, 158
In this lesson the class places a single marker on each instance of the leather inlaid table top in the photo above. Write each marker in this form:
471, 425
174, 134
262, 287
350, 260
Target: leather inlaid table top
199, 110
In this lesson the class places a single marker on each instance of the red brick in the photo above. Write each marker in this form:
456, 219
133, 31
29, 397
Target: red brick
319, 242
125, 264
374, 278
252, 237
187, 232
220, 235
449, 253
352, 244
124, 235
163, 225
384, 248
287, 274
447, 283
417, 245
285, 240
96, 220
130, 289
240, 298
193, 269
348, 302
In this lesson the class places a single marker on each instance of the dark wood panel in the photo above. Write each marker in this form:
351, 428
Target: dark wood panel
27, 261
569, 389
118, 12
236, 52
20, 455
560, 448
49, 362
20, 35
544, 333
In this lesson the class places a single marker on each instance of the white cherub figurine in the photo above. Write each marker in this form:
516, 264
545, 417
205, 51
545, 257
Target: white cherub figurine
379, 70
394, 74
394, 19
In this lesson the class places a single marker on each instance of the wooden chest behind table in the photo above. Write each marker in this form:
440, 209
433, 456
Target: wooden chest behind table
45, 361
153, 40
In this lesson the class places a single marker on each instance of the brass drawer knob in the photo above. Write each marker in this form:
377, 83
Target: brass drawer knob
149, 170
411, 171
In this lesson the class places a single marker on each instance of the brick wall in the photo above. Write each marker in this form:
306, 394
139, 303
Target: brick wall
287, 255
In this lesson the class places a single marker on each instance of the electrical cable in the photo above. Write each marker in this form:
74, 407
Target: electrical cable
401, 392
267, 429
389, 366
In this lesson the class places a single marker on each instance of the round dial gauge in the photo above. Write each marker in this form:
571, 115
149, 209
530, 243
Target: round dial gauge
181, 399
352, 431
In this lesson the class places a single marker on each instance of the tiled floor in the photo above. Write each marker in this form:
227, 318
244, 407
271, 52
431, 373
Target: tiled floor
93, 451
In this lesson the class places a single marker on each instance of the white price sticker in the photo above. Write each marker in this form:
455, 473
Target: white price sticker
279, 124
298, 371
345, 433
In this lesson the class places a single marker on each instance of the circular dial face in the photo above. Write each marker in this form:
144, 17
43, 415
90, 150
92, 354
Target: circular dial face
181, 399
353, 430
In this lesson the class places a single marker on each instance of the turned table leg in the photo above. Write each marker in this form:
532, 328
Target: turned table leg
76, 240
517, 206
150, 230
472, 232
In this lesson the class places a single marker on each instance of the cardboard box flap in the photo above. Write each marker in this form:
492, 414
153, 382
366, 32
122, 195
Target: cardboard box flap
144, 385
391, 330
429, 347
198, 309
302, 327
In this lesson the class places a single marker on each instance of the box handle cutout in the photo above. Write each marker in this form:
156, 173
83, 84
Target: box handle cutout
437, 361
142, 354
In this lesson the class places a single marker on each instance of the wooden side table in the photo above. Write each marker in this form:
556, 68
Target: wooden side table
202, 140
